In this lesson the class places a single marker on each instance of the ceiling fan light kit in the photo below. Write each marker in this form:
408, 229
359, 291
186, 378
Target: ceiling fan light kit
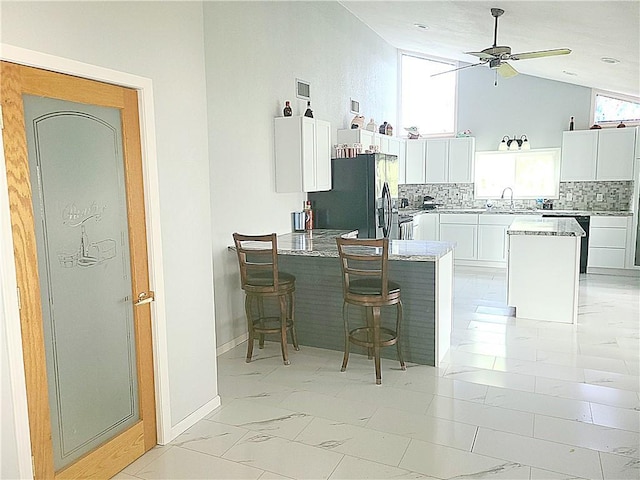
496, 56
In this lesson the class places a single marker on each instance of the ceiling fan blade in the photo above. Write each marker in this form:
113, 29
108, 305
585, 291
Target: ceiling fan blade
481, 55
539, 54
459, 68
505, 70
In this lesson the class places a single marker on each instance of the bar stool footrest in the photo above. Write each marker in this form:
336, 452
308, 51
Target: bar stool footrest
361, 335
269, 325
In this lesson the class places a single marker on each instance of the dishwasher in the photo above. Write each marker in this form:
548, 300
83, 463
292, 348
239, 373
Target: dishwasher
583, 221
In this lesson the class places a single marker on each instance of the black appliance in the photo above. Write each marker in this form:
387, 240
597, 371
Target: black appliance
363, 196
429, 203
584, 221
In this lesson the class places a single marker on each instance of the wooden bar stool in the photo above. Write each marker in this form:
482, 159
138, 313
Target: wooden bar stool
366, 283
260, 279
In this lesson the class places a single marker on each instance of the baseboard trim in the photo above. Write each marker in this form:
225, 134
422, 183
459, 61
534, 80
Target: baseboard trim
225, 347
620, 272
194, 418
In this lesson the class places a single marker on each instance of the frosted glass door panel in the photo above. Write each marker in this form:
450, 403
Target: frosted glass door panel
77, 176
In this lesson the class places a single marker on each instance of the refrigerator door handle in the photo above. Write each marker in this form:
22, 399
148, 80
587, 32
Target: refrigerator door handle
386, 206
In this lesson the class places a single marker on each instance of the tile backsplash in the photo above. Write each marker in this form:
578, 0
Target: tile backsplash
616, 196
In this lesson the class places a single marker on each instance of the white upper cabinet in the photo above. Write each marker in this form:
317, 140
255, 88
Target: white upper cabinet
366, 138
322, 166
414, 161
461, 154
615, 154
605, 154
437, 161
385, 143
440, 160
303, 154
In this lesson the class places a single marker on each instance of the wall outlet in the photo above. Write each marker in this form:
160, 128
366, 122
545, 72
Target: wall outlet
569, 197
599, 197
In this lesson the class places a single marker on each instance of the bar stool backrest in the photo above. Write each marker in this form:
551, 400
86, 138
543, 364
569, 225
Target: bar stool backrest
258, 259
364, 261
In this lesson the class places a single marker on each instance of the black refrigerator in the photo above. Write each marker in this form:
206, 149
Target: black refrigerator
363, 196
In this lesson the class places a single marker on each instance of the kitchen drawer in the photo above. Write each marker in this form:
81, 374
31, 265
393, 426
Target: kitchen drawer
464, 218
606, 221
608, 237
606, 257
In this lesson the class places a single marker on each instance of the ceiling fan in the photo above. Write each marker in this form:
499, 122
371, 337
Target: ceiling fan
497, 55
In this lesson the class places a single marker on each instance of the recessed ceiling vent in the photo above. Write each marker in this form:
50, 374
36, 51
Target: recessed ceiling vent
355, 106
303, 89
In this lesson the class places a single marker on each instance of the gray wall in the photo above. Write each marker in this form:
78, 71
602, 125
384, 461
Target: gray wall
254, 53
163, 41
519, 105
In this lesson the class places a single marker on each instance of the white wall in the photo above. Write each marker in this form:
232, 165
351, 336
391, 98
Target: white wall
254, 52
8, 440
523, 104
163, 41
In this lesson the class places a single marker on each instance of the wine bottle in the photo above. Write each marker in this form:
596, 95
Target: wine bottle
571, 124
287, 109
308, 112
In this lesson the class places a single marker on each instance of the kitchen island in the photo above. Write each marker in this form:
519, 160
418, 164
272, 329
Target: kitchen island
423, 269
543, 268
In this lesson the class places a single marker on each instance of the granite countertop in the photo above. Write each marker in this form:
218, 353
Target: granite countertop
498, 211
322, 243
563, 227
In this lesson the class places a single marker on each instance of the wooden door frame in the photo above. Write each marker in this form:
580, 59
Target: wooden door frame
156, 279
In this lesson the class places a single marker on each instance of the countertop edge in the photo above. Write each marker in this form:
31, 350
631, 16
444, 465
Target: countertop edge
552, 213
547, 227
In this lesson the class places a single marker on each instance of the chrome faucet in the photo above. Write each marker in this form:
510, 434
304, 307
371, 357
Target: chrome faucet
511, 198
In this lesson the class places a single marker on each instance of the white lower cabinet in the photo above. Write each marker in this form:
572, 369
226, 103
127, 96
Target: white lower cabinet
481, 238
492, 243
608, 241
426, 227
492, 237
463, 230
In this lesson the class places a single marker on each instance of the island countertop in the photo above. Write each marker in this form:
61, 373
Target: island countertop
562, 227
322, 243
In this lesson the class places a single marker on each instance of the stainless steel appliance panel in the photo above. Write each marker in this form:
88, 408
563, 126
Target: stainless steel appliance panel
360, 197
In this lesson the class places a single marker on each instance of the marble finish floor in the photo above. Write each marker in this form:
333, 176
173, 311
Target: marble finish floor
516, 399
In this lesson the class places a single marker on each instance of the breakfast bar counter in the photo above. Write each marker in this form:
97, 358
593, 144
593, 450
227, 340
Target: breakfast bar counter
544, 263
423, 269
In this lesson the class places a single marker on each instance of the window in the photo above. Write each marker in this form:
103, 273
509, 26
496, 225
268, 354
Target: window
531, 174
613, 108
426, 102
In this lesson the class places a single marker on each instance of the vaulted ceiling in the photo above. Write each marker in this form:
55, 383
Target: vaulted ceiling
593, 30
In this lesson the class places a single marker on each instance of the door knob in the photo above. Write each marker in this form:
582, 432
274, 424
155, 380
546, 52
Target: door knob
145, 297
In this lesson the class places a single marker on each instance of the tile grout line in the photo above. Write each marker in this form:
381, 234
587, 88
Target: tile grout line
601, 467
473, 444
